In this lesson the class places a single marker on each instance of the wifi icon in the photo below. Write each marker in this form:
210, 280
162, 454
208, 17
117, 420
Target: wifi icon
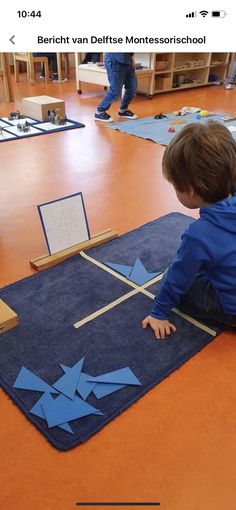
204, 13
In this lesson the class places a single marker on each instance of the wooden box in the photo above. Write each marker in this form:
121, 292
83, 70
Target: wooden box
8, 318
163, 83
38, 107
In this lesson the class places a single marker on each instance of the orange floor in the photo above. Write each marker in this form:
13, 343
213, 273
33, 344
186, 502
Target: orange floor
176, 445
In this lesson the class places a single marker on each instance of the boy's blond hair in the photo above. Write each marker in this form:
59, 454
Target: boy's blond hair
202, 156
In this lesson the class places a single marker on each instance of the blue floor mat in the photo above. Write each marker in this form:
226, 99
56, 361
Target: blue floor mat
157, 129
51, 302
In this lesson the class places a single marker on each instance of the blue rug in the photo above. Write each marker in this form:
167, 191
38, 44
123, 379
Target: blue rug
50, 303
157, 129
9, 131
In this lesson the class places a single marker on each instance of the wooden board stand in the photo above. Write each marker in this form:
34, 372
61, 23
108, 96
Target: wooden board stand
8, 318
46, 261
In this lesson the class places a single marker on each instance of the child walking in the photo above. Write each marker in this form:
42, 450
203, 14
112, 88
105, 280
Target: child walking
120, 69
200, 163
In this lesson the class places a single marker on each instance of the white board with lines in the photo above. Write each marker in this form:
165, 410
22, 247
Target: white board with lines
64, 222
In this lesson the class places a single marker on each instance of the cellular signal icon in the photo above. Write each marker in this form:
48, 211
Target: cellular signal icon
204, 13
191, 15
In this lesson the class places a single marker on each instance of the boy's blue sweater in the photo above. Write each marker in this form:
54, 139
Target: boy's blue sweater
122, 58
208, 246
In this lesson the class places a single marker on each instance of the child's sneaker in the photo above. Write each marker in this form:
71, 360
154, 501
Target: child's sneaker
230, 86
55, 80
103, 117
127, 114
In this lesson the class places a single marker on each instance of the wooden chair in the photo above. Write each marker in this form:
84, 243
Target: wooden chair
5, 75
63, 62
30, 61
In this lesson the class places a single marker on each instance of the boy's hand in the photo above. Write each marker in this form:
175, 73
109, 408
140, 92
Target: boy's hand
161, 328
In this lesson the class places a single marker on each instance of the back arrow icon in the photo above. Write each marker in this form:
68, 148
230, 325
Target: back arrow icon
11, 39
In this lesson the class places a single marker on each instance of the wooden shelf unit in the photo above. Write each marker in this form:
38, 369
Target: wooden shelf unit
187, 70
183, 70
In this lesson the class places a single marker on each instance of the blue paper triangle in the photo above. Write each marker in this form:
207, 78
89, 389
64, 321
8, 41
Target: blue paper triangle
84, 387
124, 270
37, 410
121, 376
27, 380
103, 389
67, 384
63, 409
139, 274
65, 368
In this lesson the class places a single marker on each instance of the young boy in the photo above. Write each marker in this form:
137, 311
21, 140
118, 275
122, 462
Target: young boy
200, 162
120, 69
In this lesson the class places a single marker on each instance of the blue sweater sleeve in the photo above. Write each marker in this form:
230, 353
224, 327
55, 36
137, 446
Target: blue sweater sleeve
190, 258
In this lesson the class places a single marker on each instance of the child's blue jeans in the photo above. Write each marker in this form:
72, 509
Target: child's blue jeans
202, 302
119, 75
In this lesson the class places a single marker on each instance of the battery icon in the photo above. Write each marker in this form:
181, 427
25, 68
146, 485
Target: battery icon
218, 14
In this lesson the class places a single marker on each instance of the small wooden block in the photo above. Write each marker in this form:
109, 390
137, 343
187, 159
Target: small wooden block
229, 119
178, 121
37, 107
8, 318
41, 263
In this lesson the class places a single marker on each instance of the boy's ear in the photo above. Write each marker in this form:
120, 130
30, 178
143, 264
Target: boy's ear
191, 193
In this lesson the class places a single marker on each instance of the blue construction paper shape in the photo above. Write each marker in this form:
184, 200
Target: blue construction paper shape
103, 389
67, 384
136, 273
139, 274
37, 410
124, 270
84, 387
121, 376
63, 409
27, 380
64, 367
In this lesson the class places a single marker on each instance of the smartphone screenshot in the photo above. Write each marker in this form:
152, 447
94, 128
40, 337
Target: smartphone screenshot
117, 255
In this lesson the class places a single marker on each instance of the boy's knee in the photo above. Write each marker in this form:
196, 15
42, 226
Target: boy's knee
116, 95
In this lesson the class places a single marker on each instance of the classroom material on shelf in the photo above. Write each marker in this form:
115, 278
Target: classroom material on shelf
161, 65
190, 63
